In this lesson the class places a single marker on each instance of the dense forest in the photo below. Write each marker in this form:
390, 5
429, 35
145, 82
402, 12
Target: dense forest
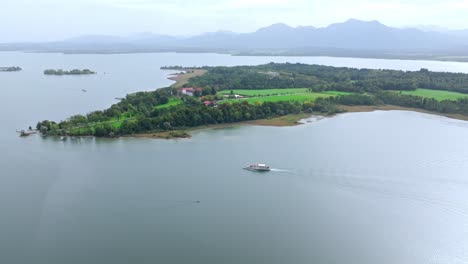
72, 72
166, 109
320, 78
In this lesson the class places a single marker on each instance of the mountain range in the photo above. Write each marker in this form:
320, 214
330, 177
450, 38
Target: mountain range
350, 38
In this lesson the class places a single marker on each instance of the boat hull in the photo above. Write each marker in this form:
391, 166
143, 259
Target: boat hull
256, 169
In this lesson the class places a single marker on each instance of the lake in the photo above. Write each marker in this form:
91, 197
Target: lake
380, 187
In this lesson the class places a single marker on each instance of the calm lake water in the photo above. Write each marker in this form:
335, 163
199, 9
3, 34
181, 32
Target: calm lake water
380, 187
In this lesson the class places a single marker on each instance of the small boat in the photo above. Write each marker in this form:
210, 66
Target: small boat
62, 138
84, 90
257, 167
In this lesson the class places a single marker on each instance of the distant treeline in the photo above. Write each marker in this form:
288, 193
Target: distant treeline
176, 67
321, 78
10, 69
72, 72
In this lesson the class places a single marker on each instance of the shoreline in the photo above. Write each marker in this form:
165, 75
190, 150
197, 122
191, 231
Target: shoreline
371, 108
181, 79
281, 121
290, 120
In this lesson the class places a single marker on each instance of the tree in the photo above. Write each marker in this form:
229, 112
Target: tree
100, 131
167, 126
213, 91
44, 129
163, 100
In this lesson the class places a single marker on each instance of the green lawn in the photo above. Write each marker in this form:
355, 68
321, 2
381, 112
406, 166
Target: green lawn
271, 92
302, 97
436, 94
265, 92
277, 95
172, 101
336, 93
298, 97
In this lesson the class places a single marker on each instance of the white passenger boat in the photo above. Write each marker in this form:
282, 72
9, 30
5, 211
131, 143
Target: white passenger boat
258, 167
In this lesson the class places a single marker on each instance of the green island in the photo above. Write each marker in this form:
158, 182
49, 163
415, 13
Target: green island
10, 69
270, 94
71, 72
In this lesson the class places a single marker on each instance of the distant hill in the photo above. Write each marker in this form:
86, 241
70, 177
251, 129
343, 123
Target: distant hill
352, 34
350, 38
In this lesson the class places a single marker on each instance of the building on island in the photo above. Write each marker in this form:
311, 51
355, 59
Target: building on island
190, 91
236, 96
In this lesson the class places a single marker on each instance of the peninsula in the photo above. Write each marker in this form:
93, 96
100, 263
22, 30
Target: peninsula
225, 95
71, 72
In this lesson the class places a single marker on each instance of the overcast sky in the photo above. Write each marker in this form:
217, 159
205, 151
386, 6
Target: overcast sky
22, 20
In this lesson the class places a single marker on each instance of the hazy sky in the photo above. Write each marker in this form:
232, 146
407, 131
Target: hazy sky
57, 19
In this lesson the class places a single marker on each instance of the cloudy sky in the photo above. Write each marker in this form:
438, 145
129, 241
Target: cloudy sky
23, 20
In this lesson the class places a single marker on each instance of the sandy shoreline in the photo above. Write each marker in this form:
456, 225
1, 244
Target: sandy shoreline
182, 79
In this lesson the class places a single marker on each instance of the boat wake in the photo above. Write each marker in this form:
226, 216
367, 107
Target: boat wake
279, 170
396, 187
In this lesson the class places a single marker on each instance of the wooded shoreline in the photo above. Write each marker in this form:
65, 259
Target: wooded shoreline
291, 120
268, 95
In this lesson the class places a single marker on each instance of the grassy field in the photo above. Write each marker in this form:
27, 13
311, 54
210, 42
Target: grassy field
301, 97
277, 95
271, 92
436, 94
172, 101
266, 91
